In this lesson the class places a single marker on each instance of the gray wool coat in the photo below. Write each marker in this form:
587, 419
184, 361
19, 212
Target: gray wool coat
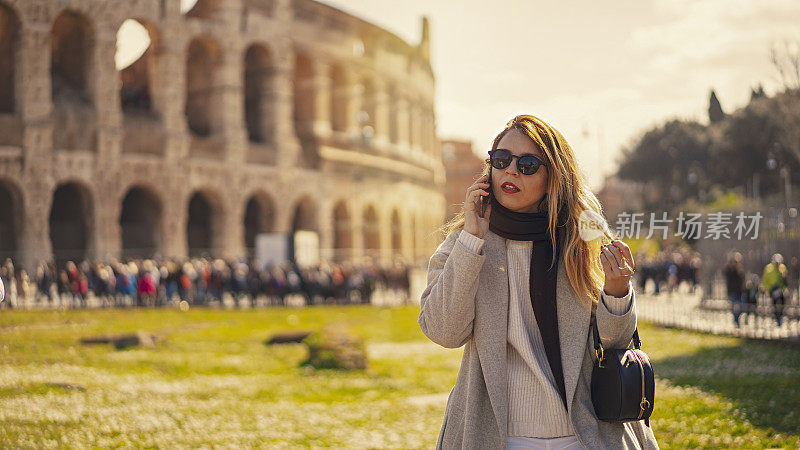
466, 302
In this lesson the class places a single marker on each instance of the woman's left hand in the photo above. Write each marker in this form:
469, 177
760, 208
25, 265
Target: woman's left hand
618, 267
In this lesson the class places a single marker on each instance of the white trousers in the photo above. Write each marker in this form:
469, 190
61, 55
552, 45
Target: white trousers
559, 443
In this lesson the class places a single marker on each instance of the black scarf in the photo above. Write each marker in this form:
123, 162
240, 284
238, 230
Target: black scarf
534, 227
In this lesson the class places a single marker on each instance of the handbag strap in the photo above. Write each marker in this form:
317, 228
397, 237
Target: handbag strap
598, 346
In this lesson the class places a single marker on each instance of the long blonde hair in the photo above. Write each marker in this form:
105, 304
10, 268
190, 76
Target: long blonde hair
565, 184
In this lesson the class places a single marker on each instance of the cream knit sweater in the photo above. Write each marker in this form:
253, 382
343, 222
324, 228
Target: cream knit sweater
535, 407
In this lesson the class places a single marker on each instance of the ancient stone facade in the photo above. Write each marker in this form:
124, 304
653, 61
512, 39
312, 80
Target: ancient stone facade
462, 168
243, 116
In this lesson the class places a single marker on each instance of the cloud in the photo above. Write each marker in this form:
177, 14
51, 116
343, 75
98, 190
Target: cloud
620, 67
710, 32
700, 45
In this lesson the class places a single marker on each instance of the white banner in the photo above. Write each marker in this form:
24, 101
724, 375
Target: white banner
306, 248
272, 248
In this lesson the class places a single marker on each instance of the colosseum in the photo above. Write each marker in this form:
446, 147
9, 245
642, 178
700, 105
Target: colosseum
241, 117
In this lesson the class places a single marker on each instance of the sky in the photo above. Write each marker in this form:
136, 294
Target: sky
600, 72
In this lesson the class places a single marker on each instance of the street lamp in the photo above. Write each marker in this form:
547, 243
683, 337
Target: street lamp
694, 178
787, 185
772, 164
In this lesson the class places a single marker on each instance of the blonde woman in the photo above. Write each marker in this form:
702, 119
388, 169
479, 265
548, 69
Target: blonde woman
515, 281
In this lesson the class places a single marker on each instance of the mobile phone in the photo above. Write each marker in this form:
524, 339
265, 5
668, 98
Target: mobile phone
487, 198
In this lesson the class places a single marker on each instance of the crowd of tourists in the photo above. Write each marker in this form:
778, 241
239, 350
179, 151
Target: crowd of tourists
150, 282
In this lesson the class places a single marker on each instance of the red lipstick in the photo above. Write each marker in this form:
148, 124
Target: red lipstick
509, 188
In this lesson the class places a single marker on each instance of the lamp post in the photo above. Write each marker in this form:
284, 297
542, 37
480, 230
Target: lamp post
787, 185
756, 184
772, 164
695, 181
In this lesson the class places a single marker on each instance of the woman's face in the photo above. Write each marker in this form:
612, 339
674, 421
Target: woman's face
532, 188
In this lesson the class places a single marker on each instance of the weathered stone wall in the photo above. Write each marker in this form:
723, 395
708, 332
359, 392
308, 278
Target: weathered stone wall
288, 106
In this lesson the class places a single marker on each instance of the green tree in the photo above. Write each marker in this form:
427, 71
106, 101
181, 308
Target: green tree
673, 157
768, 127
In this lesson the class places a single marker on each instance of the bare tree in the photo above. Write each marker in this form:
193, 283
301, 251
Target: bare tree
785, 57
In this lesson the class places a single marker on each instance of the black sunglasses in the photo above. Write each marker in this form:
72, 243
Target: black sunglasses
526, 164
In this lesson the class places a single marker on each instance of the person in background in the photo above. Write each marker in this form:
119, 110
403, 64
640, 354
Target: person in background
752, 286
794, 278
147, 284
734, 281
774, 282
44, 281
7, 275
694, 271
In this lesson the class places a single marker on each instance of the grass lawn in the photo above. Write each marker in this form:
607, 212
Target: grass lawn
214, 383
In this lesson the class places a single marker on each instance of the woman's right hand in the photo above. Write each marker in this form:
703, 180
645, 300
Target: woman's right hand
473, 222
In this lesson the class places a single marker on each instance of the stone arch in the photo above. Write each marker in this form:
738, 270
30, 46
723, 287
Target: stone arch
140, 103
202, 9
71, 219
71, 77
136, 87
372, 241
369, 105
257, 90
9, 47
72, 44
342, 231
203, 60
429, 144
394, 126
339, 98
302, 82
396, 233
413, 124
304, 109
305, 215
204, 223
360, 47
259, 217
141, 222
11, 221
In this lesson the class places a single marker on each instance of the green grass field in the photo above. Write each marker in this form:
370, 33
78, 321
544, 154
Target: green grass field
214, 383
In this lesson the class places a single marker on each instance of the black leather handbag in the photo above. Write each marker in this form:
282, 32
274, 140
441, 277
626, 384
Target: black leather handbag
623, 382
